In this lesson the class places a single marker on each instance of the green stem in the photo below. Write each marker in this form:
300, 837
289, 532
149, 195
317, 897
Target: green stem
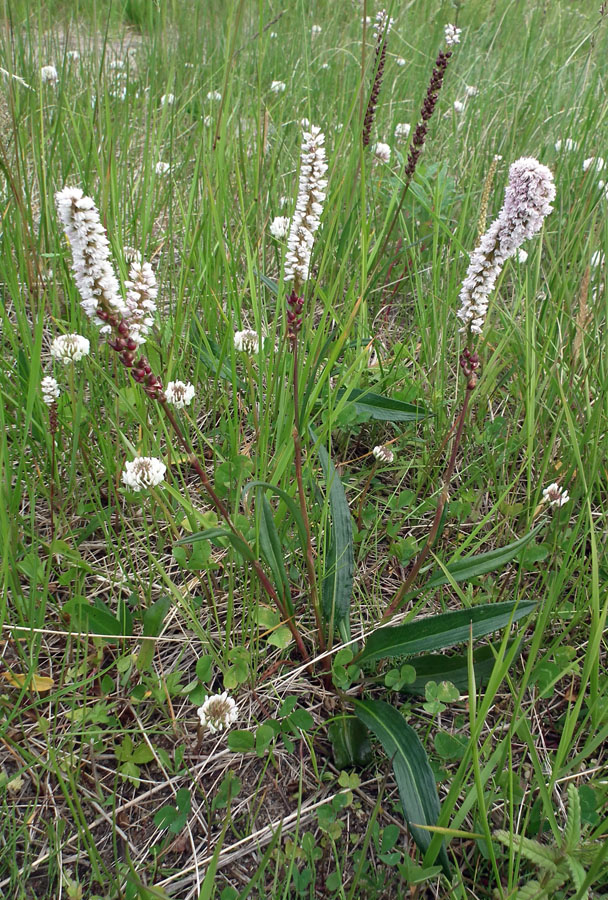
447, 477
223, 512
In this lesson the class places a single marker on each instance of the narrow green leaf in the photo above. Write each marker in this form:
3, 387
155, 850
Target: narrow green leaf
287, 500
412, 770
480, 563
270, 545
101, 621
212, 534
350, 742
437, 632
385, 409
439, 667
340, 558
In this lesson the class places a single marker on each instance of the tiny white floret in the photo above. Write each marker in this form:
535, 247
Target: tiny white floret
161, 168
277, 87
593, 162
214, 95
50, 390
167, 100
452, 35
402, 131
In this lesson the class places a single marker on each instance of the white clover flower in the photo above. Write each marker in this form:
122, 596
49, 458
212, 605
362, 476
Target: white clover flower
277, 87
458, 106
161, 168
400, 61
528, 198
316, 30
214, 95
452, 35
470, 90
597, 259
93, 271
74, 55
382, 152
70, 348
247, 341
143, 472
402, 131
521, 256
383, 454
309, 205
208, 121
49, 75
555, 495
593, 162
142, 292
50, 390
279, 227
568, 144
219, 711
167, 100
179, 393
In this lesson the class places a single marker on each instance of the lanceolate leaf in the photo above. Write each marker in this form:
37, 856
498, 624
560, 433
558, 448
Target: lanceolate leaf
340, 559
385, 409
439, 667
480, 563
413, 773
437, 632
212, 534
270, 545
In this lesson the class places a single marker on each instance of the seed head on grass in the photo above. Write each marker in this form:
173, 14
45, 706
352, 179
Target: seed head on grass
528, 198
70, 348
382, 27
218, 712
143, 472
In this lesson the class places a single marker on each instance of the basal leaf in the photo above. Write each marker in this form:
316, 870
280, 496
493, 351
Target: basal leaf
385, 409
445, 630
480, 563
413, 772
340, 558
